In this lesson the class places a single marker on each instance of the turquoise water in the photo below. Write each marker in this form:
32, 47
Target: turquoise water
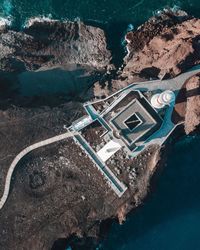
170, 217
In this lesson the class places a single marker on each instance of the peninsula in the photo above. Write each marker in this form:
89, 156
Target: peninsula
71, 162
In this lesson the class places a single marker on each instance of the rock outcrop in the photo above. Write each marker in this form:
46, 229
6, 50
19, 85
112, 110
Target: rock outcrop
51, 44
187, 107
192, 114
73, 52
165, 46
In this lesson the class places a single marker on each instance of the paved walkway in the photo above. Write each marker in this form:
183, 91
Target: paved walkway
174, 84
22, 154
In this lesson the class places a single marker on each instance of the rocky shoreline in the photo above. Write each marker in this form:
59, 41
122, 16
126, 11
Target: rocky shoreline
53, 197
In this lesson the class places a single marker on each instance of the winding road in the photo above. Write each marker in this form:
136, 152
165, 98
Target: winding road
22, 154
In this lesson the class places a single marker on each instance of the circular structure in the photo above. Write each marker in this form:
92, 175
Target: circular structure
159, 101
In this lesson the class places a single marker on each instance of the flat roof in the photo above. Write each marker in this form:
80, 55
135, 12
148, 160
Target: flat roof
147, 121
130, 117
108, 150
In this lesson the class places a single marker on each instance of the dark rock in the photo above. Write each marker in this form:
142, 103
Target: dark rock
50, 44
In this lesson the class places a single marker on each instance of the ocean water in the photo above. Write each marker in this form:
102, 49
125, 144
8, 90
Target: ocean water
102, 11
169, 219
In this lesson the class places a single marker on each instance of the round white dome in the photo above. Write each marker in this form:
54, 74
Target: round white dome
168, 96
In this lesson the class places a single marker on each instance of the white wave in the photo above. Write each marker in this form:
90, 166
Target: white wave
174, 8
130, 27
92, 20
39, 19
5, 22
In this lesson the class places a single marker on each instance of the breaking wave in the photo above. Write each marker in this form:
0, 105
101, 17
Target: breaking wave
39, 19
175, 8
4, 22
6, 15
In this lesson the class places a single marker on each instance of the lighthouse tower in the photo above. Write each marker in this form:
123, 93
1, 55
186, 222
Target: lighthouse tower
159, 101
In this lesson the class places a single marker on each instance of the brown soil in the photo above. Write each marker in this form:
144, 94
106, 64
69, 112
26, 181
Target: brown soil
187, 106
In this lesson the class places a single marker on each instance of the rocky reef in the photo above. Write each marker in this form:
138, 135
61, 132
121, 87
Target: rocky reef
54, 194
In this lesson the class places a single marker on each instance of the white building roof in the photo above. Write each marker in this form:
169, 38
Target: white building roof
108, 150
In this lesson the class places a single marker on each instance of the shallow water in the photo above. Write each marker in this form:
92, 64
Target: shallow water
70, 83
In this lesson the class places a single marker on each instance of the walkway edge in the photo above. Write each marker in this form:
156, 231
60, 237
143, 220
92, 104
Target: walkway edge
22, 154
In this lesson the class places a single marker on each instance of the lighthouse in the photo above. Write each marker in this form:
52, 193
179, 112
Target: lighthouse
159, 101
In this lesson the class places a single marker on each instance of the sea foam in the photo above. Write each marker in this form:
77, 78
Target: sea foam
5, 22
174, 8
39, 19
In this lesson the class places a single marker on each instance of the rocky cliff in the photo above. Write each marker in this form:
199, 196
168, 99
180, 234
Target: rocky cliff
192, 112
52, 44
44, 50
187, 108
163, 47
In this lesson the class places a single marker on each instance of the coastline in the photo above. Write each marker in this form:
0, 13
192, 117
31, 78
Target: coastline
105, 226
172, 183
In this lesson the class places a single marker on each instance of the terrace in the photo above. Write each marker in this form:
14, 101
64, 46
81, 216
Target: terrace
114, 128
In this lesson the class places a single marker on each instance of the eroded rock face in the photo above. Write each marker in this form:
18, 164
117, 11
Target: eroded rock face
164, 46
192, 112
51, 44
